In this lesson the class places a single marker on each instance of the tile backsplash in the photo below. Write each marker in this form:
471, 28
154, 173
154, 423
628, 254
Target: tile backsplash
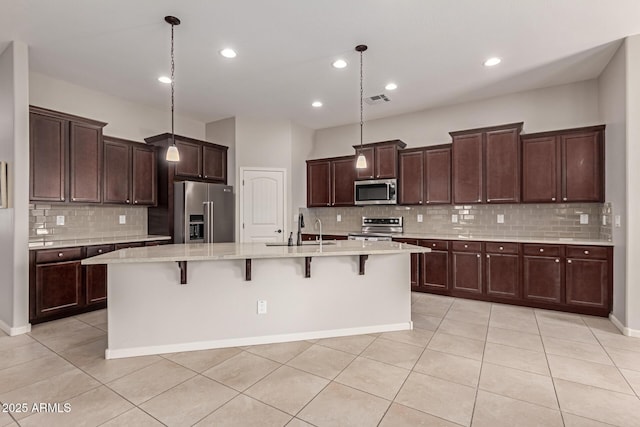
520, 220
85, 221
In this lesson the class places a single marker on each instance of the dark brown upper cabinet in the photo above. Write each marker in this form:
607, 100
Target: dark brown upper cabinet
199, 160
486, 164
563, 166
65, 157
382, 159
425, 175
129, 172
330, 181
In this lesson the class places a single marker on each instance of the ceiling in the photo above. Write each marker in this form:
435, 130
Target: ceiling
433, 50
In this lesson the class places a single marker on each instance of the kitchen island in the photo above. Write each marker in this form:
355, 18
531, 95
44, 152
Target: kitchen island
175, 298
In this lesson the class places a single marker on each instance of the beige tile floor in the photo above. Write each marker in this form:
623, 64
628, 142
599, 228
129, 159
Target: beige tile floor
466, 363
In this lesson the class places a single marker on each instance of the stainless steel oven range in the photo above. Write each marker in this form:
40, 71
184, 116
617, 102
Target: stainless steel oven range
380, 229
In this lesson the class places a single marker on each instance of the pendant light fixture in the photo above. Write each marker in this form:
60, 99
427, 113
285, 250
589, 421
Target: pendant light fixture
361, 162
172, 151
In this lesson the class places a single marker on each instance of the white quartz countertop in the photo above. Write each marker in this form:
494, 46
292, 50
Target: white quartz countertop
49, 243
230, 251
491, 238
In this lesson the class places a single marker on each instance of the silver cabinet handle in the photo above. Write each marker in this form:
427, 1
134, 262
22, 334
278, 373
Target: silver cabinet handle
99, 251
557, 260
135, 202
487, 255
478, 255
564, 198
60, 254
586, 252
420, 202
434, 245
488, 200
479, 200
569, 261
501, 248
541, 250
466, 246
128, 201
553, 199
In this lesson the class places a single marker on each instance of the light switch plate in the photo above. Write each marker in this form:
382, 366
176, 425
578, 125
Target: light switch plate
500, 218
454, 218
262, 306
618, 221
60, 220
339, 218
584, 218
419, 218
604, 220
122, 219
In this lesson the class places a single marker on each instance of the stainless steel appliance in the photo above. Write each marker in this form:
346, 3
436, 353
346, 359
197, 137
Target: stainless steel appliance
375, 192
379, 229
204, 213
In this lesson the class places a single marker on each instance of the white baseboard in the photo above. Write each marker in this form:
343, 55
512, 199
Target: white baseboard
625, 331
268, 339
15, 330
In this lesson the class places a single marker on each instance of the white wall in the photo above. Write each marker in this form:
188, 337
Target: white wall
301, 149
612, 88
125, 119
558, 107
632, 45
14, 226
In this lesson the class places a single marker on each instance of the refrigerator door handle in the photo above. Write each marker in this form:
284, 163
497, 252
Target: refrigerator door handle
211, 218
207, 224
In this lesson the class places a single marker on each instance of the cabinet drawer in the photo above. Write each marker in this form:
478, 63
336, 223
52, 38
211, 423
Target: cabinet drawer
98, 250
438, 245
466, 246
542, 250
56, 255
587, 252
501, 248
129, 245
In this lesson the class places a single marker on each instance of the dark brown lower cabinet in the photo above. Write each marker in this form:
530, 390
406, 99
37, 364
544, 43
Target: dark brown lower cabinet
584, 278
434, 267
466, 267
543, 273
502, 270
58, 288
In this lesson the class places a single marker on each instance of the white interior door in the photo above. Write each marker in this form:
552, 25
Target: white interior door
263, 205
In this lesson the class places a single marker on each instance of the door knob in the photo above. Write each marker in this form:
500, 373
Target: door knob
278, 231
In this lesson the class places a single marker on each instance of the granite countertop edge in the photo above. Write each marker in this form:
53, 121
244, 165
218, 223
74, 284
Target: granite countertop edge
91, 241
488, 238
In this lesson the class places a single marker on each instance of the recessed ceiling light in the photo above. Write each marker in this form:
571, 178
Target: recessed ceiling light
492, 61
164, 79
316, 104
228, 53
340, 63
391, 86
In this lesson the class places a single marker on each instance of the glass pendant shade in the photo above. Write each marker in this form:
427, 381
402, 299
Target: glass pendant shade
361, 163
172, 154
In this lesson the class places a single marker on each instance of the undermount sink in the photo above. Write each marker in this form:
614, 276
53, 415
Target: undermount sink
305, 243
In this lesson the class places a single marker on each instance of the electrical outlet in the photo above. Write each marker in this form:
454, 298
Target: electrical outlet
122, 219
604, 220
454, 218
419, 218
500, 219
618, 221
338, 218
262, 306
60, 220
584, 218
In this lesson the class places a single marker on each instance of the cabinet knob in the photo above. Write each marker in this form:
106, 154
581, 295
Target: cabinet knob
586, 252
434, 245
420, 202
206, 176
568, 261
488, 200
73, 198
60, 254
466, 246
99, 251
199, 175
135, 202
501, 248
62, 198
541, 250
479, 200
478, 255
427, 201
488, 256
328, 204
553, 199
128, 201
564, 198
557, 260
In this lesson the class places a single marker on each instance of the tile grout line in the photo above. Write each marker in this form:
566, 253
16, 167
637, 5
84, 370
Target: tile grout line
617, 367
484, 349
553, 383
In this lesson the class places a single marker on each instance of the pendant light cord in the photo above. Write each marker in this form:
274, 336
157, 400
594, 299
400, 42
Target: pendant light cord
361, 95
173, 67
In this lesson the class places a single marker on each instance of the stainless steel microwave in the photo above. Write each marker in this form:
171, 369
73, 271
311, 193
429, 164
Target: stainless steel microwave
375, 192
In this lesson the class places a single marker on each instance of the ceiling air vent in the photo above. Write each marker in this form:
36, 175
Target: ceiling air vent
377, 99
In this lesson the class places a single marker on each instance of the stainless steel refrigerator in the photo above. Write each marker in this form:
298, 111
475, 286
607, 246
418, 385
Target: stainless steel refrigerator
204, 213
